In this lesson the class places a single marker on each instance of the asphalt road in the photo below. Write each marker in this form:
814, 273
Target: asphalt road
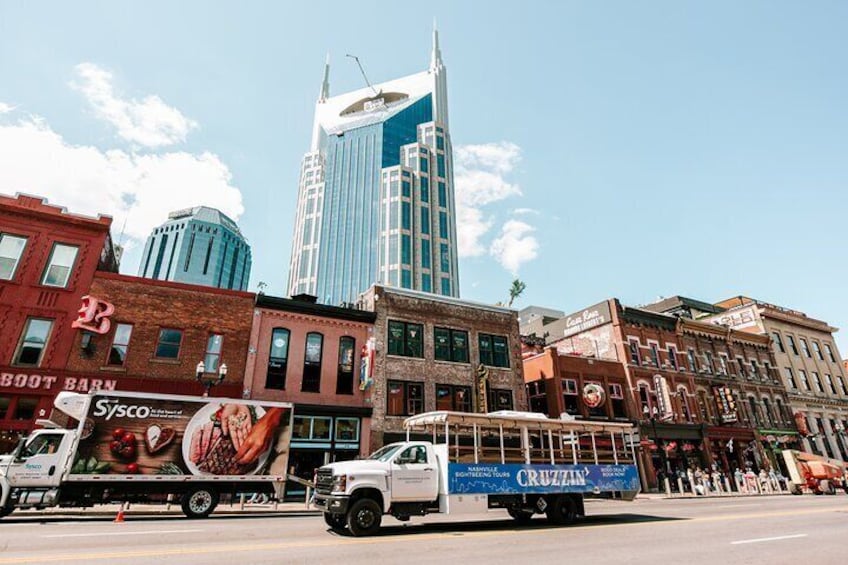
785, 529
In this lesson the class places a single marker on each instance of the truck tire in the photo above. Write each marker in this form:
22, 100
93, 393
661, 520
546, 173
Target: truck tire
364, 517
561, 510
6, 510
337, 522
522, 517
199, 502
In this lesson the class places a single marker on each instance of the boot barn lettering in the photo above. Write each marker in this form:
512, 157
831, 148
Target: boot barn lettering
50, 382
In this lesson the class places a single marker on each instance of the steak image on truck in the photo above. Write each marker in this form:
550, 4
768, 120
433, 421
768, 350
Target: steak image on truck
134, 447
464, 463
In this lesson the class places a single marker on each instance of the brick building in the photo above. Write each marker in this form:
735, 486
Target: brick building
693, 386
440, 353
311, 355
48, 258
159, 332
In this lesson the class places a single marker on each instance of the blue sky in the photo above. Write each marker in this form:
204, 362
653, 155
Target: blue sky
638, 149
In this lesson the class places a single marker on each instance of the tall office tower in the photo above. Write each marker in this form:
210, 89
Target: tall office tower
198, 245
376, 195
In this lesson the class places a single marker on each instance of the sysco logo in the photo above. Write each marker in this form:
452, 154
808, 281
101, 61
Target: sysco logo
113, 409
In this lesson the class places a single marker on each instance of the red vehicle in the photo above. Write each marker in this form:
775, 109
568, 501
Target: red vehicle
814, 473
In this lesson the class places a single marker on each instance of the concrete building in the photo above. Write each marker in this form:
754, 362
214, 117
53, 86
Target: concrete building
198, 245
440, 353
48, 258
809, 364
315, 356
376, 192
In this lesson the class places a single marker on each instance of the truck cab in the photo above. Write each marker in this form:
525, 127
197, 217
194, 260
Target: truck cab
31, 474
401, 479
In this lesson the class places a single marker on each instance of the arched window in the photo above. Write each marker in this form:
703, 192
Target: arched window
644, 401
756, 417
779, 411
767, 413
704, 406
344, 378
312, 362
685, 412
278, 358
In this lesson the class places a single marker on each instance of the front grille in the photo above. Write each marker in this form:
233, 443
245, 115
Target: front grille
324, 481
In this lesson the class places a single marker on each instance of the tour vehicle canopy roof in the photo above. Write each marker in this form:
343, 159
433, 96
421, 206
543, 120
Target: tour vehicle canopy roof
514, 420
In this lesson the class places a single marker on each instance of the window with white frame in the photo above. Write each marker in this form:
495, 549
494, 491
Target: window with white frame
11, 249
59, 266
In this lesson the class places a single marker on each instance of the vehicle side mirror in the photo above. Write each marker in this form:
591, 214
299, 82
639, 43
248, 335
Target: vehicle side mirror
20, 449
403, 460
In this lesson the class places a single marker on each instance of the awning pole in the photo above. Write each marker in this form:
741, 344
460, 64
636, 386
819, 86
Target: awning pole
551, 445
594, 448
503, 456
614, 451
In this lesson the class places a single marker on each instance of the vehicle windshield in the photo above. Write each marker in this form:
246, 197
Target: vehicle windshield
385, 453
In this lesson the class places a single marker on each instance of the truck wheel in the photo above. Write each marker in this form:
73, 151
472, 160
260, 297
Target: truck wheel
6, 510
335, 521
363, 518
561, 511
199, 502
521, 516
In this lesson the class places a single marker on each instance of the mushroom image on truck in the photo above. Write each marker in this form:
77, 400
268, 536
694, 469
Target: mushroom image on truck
133, 447
523, 463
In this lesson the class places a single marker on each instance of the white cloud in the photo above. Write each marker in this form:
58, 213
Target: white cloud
525, 211
137, 189
5, 108
479, 175
148, 122
516, 245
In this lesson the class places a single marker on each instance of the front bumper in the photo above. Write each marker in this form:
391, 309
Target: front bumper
335, 504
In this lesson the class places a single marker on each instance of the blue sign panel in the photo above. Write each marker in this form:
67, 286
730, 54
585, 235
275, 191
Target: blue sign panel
492, 478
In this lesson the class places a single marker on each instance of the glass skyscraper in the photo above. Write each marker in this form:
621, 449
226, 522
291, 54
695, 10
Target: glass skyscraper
198, 245
376, 195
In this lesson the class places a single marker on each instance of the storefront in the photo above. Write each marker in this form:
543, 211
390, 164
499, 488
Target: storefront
773, 442
671, 449
321, 435
27, 395
731, 448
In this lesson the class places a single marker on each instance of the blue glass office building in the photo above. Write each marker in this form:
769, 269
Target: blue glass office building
376, 198
199, 246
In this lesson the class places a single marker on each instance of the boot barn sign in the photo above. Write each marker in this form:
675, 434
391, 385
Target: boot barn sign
34, 381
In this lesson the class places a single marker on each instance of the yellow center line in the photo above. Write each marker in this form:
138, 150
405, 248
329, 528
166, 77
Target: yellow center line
331, 541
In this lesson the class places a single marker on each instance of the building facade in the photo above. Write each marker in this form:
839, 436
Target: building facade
376, 193
48, 258
809, 364
313, 355
200, 246
439, 353
701, 395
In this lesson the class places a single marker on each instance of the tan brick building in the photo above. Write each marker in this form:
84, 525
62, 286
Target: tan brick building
440, 353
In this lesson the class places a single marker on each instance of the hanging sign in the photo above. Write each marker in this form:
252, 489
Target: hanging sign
593, 395
666, 411
93, 315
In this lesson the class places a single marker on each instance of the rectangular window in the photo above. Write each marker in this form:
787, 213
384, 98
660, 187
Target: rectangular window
672, 356
405, 339
790, 378
829, 380
740, 362
168, 346
440, 165
426, 283
33, 342
755, 370
446, 286
344, 379
59, 266
842, 388
425, 253
404, 398
347, 429
499, 399
278, 357
443, 195
405, 216
806, 348
829, 352
425, 165
722, 362
406, 189
440, 142
708, 359
11, 249
425, 221
26, 406
212, 358
570, 400
818, 350
690, 357
444, 258
450, 345
791, 341
443, 225
817, 382
453, 398
120, 345
803, 375
312, 363
655, 354
775, 338
425, 189
635, 358
494, 351
617, 400
406, 249
406, 278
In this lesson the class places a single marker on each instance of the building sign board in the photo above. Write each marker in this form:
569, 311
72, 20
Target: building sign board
736, 319
36, 381
591, 317
726, 404
666, 410
495, 478
93, 315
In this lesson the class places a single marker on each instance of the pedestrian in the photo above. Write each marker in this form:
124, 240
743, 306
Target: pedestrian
738, 477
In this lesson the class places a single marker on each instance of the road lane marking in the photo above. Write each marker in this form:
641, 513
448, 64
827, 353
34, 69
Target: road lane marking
776, 538
130, 533
386, 539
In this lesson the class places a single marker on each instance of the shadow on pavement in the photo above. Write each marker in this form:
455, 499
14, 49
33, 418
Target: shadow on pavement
129, 518
458, 528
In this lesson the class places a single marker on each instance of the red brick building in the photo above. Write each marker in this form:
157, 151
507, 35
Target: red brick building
159, 332
48, 258
311, 355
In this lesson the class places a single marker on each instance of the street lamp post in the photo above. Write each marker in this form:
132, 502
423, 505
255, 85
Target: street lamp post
208, 381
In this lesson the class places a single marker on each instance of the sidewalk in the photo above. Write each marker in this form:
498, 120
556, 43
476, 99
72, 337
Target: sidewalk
690, 496
293, 508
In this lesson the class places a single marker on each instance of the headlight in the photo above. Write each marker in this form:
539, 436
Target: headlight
339, 483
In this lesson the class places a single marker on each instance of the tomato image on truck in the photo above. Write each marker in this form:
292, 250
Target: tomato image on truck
463, 463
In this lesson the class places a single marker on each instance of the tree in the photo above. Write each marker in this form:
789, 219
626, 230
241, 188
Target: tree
515, 291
